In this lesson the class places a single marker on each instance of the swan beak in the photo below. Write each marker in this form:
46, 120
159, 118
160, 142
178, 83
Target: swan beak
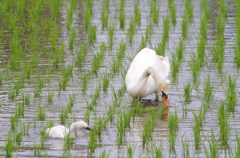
88, 128
165, 100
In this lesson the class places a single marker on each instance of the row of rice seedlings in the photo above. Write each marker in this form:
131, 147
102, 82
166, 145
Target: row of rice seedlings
197, 127
154, 8
225, 130
188, 10
223, 8
231, 93
205, 8
173, 13
173, 122
122, 14
87, 15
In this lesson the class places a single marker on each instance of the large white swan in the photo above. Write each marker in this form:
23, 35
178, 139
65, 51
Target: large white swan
61, 131
148, 74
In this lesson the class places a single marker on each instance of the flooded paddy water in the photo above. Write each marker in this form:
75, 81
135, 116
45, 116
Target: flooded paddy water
64, 61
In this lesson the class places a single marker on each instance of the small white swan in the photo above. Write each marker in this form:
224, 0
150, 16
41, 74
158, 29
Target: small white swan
61, 131
148, 74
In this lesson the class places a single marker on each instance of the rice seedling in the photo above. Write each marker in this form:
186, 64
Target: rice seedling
104, 15
173, 13
37, 92
11, 94
97, 60
185, 148
213, 150
92, 34
175, 67
130, 150
205, 8
230, 93
55, 8
87, 18
111, 31
67, 142
81, 54
20, 110
122, 14
104, 154
87, 115
63, 115
208, 90
195, 64
225, 130
201, 49
9, 147
131, 30
237, 56
166, 28
237, 148
1, 79
203, 26
187, 93
92, 141
41, 113
121, 129
50, 97
13, 122
72, 39
43, 137
25, 128
85, 79
197, 127
154, 11
105, 81
18, 138
184, 26
143, 44
188, 10
173, 121
99, 124
137, 13
149, 30
160, 50
156, 151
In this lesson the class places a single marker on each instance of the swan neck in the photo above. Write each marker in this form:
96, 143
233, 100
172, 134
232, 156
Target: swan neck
73, 128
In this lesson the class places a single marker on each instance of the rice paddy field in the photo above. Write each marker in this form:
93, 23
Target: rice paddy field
65, 60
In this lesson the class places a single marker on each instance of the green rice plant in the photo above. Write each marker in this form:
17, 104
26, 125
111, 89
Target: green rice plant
25, 128
10, 146
37, 92
173, 122
184, 26
187, 93
26, 99
201, 49
11, 94
223, 8
160, 50
104, 154
122, 14
99, 125
85, 80
188, 10
131, 30
208, 90
166, 28
175, 67
50, 97
225, 130
67, 142
81, 54
185, 148
87, 115
213, 150
41, 113
92, 34
130, 150
104, 15
72, 39
156, 151
121, 129
203, 26
20, 110
105, 81
1, 79
237, 147
179, 50
63, 115
143, 44
116, 65
205, 8
237, 55
110, 112
87, 18
111, 31
137, 13
197, 127
195, 64
230, 93
92, 140
149, 30
154, 11
18, 137
173, 13
97, 60
13, 122
55, 8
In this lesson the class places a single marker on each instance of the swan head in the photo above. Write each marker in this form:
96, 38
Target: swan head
81, 125
164, 93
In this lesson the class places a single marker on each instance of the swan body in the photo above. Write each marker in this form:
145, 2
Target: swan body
61, 131
148, 74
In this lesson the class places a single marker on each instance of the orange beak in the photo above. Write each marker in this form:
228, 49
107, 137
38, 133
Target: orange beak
165, 100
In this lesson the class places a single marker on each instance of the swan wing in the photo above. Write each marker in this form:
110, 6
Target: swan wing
57, 131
